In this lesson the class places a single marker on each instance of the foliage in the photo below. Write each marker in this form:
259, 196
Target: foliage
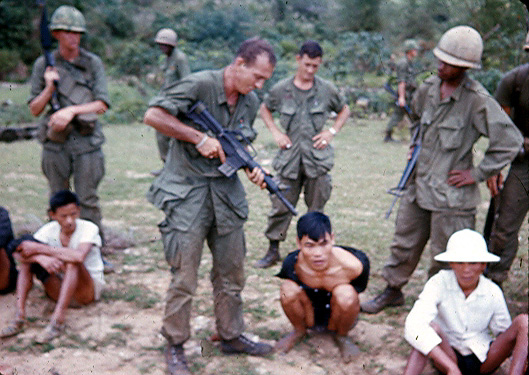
488, 78
8, 61
360, 15
133, 57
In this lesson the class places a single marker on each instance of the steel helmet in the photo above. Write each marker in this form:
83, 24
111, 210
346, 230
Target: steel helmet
460, 46
410, 44
526, 45
68, 18
166, 36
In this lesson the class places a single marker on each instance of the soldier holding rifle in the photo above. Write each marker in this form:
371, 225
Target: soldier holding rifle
442, 195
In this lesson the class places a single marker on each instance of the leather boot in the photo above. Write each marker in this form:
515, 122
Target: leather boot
389, 297
388, 138
272, 256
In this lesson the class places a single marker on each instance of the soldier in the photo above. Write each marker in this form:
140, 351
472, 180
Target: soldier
72, 136
200, 203
406, 86
176, 67
513, 199
441, 198
305, 152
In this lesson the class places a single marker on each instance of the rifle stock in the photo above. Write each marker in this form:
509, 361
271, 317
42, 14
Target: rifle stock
236, 155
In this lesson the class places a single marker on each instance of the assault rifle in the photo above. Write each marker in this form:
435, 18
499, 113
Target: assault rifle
46, 42
393, 93
410, 166
236, 155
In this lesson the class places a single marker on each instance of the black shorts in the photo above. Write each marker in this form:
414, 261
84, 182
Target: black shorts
468, 364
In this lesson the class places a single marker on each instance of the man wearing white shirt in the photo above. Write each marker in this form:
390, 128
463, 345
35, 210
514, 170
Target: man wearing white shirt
67, 260
451, 320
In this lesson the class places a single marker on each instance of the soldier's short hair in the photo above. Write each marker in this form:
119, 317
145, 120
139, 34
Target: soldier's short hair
311, 48
251, 48
315, 225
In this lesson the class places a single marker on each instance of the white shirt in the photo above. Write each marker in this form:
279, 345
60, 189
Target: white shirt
85, 232
467, 322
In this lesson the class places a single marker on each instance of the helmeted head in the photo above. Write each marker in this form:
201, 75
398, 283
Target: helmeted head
166, 36
526, 44
460, 46
410, 44
68, 18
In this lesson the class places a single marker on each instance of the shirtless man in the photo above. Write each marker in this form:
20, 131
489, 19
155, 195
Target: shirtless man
321, 286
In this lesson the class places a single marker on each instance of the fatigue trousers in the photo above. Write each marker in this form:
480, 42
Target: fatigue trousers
512, 208
162, 141
87, 170
396, 117
317, 192
183, 251
414, 227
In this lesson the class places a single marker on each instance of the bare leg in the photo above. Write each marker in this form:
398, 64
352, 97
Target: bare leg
299, 311
24, 284
416, 363
76, 283
345, 307
513, 340
4, 269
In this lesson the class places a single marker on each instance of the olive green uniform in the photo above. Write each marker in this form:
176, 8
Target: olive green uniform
201, 204
513, 200
176, 67
303, 114
406, 73
81, 81
430, 208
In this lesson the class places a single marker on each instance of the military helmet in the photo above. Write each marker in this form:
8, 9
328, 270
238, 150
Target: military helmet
68, 18
166, 36
526, 45
410, 44
460, 46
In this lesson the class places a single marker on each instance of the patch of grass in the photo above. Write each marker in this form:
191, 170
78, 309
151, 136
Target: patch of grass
113, 338
142, 296
122, 327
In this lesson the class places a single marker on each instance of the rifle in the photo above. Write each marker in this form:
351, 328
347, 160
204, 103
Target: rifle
393, 93
46, 42
236, 155
408, 170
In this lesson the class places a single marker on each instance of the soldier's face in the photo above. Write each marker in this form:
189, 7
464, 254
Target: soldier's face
68, 39
317, 253
308, 67
253, 76
449, 72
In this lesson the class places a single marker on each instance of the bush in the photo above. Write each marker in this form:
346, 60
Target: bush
489, 78
133, 58
8, 61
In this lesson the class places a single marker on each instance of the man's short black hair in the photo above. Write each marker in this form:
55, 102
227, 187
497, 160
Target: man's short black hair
63, 198
315, 225
311, 48
251, 48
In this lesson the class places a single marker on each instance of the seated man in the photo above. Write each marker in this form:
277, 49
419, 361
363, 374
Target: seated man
451, 320
67, 261
322, 285
8, 269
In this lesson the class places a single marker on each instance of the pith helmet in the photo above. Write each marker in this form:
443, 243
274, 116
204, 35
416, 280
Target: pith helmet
526, 45
68, 18
166, 36
410, 44
460, 46
466, 245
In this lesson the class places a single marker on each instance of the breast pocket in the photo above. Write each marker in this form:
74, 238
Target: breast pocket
286, 114
450, 134
318, 116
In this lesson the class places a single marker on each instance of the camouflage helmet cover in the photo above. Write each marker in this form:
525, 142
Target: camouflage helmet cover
166, 36
410, 44
68, 18
460, 46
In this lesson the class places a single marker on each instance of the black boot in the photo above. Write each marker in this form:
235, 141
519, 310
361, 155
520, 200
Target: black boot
388, 138
271, 257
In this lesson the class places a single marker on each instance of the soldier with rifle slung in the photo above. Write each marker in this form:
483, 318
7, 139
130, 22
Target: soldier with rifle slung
454, 111
406, 86
72, 80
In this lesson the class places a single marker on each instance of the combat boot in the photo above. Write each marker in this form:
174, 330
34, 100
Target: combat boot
272, 256
176, 360
389, 297
388, 137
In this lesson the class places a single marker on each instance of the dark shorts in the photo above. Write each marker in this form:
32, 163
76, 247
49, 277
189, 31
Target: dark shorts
39, 272
13, 275
468, 364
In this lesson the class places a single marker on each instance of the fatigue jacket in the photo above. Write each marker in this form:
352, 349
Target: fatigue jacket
188, 179
176, 67
302, 116
81, 81
513, 92
406, 73
449, 130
